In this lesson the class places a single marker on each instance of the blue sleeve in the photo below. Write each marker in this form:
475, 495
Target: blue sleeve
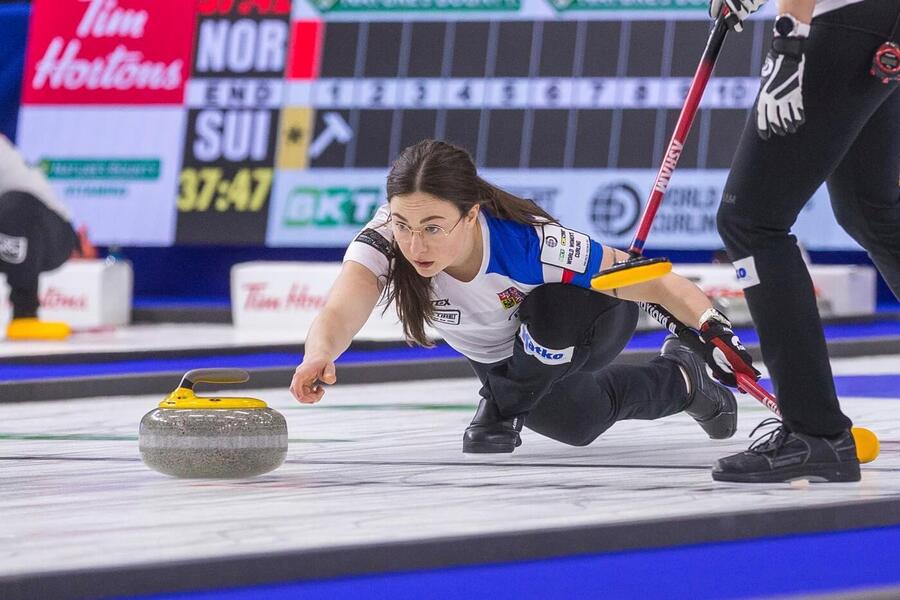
515, 251
584, 279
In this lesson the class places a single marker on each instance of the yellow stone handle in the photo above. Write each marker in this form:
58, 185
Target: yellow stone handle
184, 398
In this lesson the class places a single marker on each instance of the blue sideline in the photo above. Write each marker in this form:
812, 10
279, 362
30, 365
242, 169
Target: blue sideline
817, 563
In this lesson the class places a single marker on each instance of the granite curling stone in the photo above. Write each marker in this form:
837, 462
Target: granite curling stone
216, 437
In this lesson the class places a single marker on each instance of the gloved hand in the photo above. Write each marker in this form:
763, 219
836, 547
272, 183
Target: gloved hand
725, 354
779, 107
740, 9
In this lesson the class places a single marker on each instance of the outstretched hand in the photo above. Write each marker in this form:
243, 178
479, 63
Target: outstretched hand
306, 385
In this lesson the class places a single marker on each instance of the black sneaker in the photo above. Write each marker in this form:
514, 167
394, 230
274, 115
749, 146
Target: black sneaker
490, 433
710, 403
782, 455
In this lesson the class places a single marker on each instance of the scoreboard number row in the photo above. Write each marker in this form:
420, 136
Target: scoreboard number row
521, 93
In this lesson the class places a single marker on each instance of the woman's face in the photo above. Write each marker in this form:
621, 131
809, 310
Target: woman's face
431, 233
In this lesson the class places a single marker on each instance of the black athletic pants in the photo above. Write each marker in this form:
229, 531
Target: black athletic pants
560, 372
851, 139
33, 239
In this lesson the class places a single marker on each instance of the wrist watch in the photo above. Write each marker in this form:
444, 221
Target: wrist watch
787, 25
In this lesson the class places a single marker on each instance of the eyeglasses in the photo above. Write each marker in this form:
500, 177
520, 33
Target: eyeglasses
434, 234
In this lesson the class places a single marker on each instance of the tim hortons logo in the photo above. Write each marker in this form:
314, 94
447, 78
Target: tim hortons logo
297, 298
64, 67
57, 299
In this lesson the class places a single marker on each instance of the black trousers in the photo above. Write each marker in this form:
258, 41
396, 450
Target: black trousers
33, 239
560, 373
851, 140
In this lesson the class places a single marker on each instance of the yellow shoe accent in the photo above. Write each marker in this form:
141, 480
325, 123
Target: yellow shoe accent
36, 330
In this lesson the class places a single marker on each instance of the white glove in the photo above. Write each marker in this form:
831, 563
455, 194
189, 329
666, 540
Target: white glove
779, 107
741, 9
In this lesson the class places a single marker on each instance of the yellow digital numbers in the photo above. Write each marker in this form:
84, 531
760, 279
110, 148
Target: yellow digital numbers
207, 188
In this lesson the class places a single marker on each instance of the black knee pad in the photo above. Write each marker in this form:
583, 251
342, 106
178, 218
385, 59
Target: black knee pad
558, 315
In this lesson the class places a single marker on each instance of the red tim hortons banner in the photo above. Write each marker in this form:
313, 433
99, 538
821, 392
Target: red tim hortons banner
108, 51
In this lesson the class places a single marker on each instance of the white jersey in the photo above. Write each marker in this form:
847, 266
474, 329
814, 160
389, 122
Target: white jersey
824, 6
16, 176
479, 318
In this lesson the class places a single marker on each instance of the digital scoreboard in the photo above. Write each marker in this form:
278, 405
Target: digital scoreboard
275, 121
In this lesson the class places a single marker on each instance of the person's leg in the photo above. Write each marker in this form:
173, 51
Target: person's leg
586, 403
21, 251
564, 328
575, 402
769, 183
33, 240
865, 190
557, 337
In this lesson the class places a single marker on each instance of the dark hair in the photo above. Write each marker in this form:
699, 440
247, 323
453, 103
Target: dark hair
446, 172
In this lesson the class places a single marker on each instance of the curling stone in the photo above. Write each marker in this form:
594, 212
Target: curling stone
216, 437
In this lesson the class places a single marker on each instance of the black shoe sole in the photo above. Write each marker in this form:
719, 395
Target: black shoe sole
485, 448
827, 472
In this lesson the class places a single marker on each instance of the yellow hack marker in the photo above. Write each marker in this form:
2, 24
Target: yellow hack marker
867, 445
631, 272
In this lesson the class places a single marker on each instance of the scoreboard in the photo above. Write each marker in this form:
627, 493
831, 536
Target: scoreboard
287, 114
525, 94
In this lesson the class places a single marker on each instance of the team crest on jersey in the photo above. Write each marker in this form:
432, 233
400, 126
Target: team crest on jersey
510, 297
13, 249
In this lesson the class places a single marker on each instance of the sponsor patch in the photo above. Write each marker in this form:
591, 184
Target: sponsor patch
548, 356
13, 250
447, 316
745, 271
376, 240
510, 297
565, 248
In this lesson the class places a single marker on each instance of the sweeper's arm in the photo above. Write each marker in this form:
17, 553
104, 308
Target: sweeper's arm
678, 295
724, 352
349, 304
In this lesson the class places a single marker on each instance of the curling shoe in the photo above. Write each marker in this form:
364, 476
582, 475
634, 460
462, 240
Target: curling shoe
490, 433
782, 455
711, 404
32, 329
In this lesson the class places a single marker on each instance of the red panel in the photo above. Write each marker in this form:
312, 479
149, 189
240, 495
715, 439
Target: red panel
244, 7
108, 51
306, 48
